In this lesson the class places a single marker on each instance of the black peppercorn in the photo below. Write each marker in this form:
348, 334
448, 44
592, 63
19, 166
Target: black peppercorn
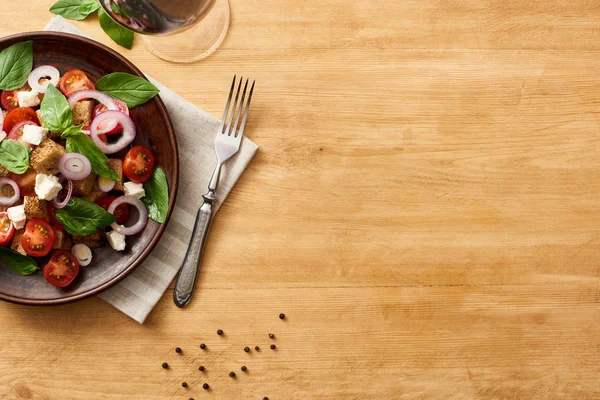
202, 346
201, 368
247, 349
256, 348
271, 336
273, 347
191, 398
184, 384
219, 332
205, 386
244, 368
177, 349
265, 398
232, 374
165, 365
281, 316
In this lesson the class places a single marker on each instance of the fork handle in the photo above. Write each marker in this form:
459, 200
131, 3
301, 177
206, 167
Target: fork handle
186, 280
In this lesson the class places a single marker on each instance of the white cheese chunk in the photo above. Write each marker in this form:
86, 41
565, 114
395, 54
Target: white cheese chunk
116, 240
34, 134
47, 186
134, 189
2, 135
17, 215
28, 99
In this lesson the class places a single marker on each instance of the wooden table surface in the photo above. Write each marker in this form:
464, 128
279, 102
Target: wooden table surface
424, 208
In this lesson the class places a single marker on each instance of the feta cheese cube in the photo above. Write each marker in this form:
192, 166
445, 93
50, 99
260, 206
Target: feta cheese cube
28, 99
2, 135
17, 215
34, 134
134, 189
47, 186
116, 240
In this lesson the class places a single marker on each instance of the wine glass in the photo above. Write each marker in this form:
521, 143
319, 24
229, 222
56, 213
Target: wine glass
174, 30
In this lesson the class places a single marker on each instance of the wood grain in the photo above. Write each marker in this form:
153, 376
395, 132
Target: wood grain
424, 208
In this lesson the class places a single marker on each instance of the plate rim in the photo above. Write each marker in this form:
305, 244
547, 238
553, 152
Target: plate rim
33, 35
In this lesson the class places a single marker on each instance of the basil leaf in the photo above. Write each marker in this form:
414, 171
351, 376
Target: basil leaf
55, 111
17, 262
157, 196
16, 63
81, 217
78, 142
116, 32
74, 9
14, 156
72, 130
132, 89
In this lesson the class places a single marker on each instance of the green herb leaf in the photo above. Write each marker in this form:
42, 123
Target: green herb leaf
78, 142
72, 130
81, 217
17, 262
116, 32
74, 9
16, 63
132, 89
14, 156
55, 111
157, 196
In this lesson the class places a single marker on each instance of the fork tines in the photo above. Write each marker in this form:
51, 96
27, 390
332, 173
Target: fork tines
226, 127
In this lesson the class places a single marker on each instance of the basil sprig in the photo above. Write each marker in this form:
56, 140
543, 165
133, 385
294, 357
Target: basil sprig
157, 196
16, 63
132, 89
116, 32
14, 156
79, 142
81, 217
55, 111
17, 262
74, 9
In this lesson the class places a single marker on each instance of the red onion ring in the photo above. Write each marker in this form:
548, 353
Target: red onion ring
74, 166
124, 141
142, 218
9, 201
82, 253
43, 72
105, 185
61, 204
98, 96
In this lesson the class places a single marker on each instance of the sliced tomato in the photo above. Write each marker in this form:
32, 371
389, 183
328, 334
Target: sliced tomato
38, 238
19, 115
9, 98
7, 229
52, 215
138, 164
16, 133
100, 108
61, 269
121, 212
26, 182
74, 81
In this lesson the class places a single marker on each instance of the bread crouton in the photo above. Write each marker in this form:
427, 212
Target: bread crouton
92, 241
82, 112
84, 187
4, 171
62, 240
16, 242
117, 165
44, 158
35, 208
94, 194
7, 190
51, 135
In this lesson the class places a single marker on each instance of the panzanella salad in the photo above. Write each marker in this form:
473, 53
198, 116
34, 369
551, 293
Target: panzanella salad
70, 179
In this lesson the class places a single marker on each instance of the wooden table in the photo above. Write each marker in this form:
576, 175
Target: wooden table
424, 208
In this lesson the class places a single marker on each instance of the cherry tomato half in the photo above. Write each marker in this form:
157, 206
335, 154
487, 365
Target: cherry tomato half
52, 216
61, 269
74, 81
16, 133
100, 108
25, 181
9, 98
38, 238
138, 164
17, 115
121, 212
7, 230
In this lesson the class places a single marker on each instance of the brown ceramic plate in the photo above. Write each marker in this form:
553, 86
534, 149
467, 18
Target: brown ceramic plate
154, 130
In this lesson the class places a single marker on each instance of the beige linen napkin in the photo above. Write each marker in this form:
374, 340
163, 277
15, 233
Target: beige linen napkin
137, 294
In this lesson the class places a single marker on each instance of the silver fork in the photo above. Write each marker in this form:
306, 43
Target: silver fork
227, 143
